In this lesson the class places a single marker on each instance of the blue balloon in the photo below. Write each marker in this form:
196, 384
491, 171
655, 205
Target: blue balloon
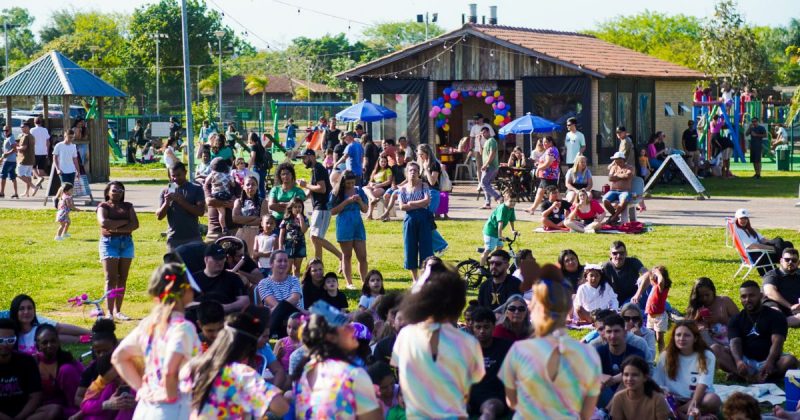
447, 91
455, 102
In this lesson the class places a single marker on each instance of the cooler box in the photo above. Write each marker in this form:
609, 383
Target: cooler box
792, 389
444, 203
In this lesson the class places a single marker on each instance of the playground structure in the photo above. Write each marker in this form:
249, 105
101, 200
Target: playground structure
736, 115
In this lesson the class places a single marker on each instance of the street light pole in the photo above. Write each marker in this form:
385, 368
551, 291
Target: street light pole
157, 37
219, 35
6, 27
187, 92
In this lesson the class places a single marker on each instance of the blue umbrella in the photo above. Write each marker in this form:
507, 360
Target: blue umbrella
365, 111
529, 124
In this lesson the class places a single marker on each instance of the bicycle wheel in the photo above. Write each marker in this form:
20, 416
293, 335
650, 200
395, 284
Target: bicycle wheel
471, 271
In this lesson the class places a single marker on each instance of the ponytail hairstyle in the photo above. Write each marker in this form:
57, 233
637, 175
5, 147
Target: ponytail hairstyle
555, 296
236, 342
167, 285
650, 385
65, 187
103, 329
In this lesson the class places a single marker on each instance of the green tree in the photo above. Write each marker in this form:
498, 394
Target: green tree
730, 50
62, 22
257, 84
398, 35
22, 44
672, 38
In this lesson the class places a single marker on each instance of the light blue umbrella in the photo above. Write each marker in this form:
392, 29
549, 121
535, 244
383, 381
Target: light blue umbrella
365, 111
529, 124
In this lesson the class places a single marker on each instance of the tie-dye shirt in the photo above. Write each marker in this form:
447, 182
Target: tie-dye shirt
340, 391
437, 388
525, 370
239, 392
180, 337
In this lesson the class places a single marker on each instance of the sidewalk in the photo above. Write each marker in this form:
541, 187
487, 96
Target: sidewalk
464, 204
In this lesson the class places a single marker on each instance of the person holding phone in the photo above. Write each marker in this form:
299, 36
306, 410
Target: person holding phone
182, 203
710, 311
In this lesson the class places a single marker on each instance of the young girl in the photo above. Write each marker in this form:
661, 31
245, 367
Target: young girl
371, 291
265, 244
595, 293
221, 186
641, 398
644, 171
292, 238
331, 294
328, 161
386, 388
242, 171
65, 205
287, 345
656, 307
166, 341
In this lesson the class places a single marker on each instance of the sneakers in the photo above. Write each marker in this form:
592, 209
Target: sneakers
351, 287
121, 317
58, 238
66, 235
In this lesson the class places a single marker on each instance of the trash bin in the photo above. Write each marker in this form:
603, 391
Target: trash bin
782, 157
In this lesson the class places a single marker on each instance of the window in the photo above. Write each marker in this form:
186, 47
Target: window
668, 111
407, 121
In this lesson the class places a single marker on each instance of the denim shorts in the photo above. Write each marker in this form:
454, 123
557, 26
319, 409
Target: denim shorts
9, 170
116, 247
621, 196
490, 243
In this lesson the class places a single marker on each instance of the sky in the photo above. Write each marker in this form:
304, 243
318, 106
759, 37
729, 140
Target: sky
277, 22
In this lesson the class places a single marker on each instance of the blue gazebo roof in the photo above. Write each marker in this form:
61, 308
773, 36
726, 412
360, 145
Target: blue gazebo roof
53, 74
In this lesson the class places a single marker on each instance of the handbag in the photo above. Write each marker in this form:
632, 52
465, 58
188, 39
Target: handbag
444, 182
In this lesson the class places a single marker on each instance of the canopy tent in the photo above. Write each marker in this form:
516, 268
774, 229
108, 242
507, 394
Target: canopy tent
365, 111
53, 74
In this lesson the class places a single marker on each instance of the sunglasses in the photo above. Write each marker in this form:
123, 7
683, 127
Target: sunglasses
792, 260
516, 308
617, 252
8, 340
632, 318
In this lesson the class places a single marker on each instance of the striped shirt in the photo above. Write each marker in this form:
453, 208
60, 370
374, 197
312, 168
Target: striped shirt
525, 369
437, 388
417, 194
280, 290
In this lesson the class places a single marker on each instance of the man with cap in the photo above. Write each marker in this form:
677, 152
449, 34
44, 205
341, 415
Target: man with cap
217, 283
26, 158
757, 135
620, 177
320, 189
352, 155
626, 145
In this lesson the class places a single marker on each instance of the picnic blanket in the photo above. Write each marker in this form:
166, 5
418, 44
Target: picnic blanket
764, 393
627, 227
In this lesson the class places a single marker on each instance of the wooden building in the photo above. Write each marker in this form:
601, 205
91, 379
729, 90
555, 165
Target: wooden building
552, 74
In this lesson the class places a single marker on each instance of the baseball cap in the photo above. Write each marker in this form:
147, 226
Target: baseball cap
333, 316
621, 128
595, 267
310, 152
618, 155
26, 124
215, 251
742, 213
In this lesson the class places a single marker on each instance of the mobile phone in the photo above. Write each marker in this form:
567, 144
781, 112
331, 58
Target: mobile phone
124, 389
172, 187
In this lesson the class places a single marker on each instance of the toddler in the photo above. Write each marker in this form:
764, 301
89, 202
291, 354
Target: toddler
242, 171
371, 291
221, 186
286, 345
292, 237
656, 307
332, 295
644, 164
265, 244
65, 205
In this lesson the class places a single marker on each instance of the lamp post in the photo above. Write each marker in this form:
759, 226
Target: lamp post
219, 35
157, 36
426, 19
6, 27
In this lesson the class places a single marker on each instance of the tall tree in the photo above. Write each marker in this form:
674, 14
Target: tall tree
398, 35
730, 51
62, 22
257, 84
22, 45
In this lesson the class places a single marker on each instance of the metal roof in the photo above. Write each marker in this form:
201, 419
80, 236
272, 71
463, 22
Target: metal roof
53, 74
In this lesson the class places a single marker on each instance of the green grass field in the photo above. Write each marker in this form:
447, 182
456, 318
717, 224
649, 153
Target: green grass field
53, 271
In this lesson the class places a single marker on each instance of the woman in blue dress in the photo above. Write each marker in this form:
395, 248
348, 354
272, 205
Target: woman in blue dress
430, 169
347, 203
414, 199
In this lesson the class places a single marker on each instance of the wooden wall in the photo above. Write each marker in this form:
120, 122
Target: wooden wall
474, 59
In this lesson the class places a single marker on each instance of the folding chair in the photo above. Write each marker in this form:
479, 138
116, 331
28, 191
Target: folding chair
744, 254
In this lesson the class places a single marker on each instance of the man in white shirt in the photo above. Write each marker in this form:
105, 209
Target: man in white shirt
41, 147
65, 158
478, 140
575, 142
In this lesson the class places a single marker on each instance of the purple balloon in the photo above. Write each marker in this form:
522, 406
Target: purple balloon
446, 111
454, 94
501, 105
501, 98
432, 114
436, 109
489, 100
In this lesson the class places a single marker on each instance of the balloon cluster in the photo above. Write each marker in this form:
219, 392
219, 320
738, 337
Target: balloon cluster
443, 106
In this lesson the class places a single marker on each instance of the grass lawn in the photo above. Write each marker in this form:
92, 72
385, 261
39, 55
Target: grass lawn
774, 184
52, 271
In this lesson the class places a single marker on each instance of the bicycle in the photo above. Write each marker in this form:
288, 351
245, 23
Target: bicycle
97, 312
474, 273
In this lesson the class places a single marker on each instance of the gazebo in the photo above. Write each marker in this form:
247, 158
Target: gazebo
54, 75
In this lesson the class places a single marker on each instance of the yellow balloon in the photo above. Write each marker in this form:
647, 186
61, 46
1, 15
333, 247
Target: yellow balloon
447, 105
483, 93
446, 127
496, 93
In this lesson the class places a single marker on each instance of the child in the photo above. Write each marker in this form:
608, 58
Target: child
595, 293
386, 388
242, 172
398, 412
371, 291
65, 205
210, 320
291, 134
554, 210
165, 341
292, 238
265, 244
287, 345
330, 284
105, 387
644, 171
656, 307
503, 215
148, 153
328, 161
221, 186
641, 398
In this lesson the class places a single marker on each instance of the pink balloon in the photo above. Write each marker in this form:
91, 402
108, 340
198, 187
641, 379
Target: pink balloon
447, 111
454, 94
489, 100
436, 109
501, 105
471, 93
432, 114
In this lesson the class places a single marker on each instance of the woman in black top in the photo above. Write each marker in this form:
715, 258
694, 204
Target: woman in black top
258, 161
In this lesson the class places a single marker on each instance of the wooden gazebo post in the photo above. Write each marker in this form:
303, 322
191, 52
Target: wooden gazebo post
65, 101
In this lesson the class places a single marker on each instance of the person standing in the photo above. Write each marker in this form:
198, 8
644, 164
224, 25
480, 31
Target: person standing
320, 189
689, 139
352, 157
205, 132
42, 137
82, 141
9, 170
626, 146
117, 220
417, 225
757, 135
331, 139
477, 138
65, 158
349, 201
371, 154
430, 170
182, 203
26, 144
291, 134
575, 142
491, 164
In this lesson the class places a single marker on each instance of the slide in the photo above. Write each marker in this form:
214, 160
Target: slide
112, 142
314, 140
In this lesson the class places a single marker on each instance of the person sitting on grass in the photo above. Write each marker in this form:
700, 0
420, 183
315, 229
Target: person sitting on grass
757, 335
585, 215
634, 325
496, 290
331, 293
782, 287
554, 210
515, 323
612, 354
59, 371
107, 396
711, 312
595, 293
23, 313
22, 386
642, 398
210, 320
501, 217
620, 177
487, 397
